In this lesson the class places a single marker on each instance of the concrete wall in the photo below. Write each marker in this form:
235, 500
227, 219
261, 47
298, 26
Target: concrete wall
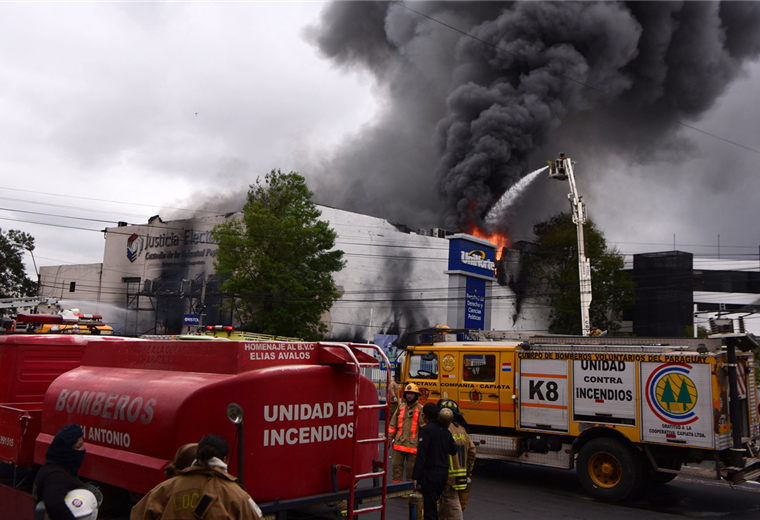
393, 282
72, 282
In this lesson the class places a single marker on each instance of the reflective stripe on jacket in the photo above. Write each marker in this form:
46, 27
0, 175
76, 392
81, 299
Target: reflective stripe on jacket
404, 427
464, 460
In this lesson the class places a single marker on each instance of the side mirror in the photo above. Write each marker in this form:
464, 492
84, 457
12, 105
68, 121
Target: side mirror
235, 413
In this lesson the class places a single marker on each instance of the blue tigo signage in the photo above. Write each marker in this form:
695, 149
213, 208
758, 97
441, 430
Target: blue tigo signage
192, 319
475, 303
472, 257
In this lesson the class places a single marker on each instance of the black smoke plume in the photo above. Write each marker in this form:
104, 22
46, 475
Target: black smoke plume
464, 118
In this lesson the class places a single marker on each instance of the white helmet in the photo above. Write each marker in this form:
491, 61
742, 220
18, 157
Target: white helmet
82, 504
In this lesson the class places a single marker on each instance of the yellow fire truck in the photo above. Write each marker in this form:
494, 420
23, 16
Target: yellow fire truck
624, 412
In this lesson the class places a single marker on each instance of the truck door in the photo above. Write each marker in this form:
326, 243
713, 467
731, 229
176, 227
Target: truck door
478, 393
423, 372
507, 389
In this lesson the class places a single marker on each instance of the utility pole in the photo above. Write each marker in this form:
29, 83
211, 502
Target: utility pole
562, 169
23, 246
201, 311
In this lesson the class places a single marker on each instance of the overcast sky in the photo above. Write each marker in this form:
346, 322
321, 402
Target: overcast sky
120, 111
113, 111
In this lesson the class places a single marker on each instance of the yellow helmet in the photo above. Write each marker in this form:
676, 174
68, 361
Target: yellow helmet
411, 387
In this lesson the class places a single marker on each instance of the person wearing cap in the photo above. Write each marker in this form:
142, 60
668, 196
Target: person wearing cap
60, 473
431, 469
404, 427
457, 489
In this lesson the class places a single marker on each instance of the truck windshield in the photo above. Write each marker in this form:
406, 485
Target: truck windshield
423, 369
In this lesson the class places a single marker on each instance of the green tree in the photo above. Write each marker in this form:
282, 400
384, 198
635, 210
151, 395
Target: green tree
277, 259
554, 263
702, 332
14, 282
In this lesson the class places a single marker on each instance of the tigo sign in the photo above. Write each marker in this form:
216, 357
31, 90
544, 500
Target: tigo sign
472, 256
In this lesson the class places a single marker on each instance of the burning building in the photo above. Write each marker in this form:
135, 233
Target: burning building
395, 280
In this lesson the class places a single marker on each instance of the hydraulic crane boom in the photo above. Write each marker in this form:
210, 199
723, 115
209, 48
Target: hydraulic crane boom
562, 169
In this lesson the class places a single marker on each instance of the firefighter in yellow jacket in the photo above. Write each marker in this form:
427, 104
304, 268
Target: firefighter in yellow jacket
404, 432
457, 490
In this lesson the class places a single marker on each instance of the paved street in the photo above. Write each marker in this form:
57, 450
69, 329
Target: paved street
510, 491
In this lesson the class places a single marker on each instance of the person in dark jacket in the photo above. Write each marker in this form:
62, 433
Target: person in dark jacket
431, 469
60, 473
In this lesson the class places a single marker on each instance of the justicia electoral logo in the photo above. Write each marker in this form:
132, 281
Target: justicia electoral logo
134, 246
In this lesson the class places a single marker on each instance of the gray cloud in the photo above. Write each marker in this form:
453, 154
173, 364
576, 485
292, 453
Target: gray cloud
462, 121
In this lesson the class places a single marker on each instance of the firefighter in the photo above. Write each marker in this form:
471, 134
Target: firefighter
204, 490
404, 430
435, 448
457, 490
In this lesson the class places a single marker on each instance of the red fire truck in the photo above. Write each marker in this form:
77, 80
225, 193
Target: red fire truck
288, 409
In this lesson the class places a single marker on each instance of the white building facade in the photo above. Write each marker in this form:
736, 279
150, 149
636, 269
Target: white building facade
394, 282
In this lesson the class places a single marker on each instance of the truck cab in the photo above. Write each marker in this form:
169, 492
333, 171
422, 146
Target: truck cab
478, 377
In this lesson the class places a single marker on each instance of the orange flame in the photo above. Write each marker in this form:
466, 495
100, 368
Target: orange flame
500, 240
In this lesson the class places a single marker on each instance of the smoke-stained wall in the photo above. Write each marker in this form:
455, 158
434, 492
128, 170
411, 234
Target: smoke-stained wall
156, 272
394, 281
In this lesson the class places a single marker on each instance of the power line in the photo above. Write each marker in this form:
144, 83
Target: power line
344, 240
65, 206
56, 216
98, 199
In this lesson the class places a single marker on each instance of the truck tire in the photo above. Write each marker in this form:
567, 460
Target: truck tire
609, 470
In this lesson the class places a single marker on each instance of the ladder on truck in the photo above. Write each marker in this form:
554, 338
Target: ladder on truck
380, 467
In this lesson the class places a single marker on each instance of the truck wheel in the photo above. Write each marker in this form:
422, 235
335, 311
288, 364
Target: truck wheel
609, 470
